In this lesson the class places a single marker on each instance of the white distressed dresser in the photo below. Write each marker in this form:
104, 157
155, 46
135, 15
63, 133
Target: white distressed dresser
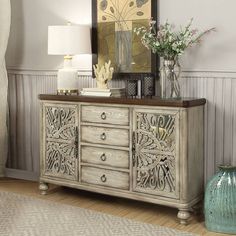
144, 149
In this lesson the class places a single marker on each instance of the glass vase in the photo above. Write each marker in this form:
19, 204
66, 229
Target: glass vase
170, 75
220, 201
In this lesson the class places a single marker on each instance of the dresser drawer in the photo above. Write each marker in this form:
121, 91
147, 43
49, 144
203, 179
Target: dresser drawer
108, 178
106, 136
105, 115
105, 156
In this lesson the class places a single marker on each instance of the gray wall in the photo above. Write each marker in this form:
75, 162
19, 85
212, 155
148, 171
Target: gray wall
28, 42
27, 47
217, 51
209, 71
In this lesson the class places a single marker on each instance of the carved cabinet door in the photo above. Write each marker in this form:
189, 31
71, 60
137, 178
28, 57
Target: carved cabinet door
156, 152
60, 141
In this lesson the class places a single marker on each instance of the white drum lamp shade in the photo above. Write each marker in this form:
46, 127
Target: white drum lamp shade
68, 40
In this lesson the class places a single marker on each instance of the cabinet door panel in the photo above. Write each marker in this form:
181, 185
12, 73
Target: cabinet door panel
60, 141
156, 155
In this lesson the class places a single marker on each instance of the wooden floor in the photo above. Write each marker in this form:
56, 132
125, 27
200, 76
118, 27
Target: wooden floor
139, 211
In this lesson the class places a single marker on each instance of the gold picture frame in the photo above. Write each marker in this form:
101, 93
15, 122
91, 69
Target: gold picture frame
113, 36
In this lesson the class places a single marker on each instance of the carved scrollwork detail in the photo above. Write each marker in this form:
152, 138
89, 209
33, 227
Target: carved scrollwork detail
61, 141
154, 155
157, 129
60, 159
60, 123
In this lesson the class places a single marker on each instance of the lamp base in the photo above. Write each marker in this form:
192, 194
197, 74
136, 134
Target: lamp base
67, 80
67, 92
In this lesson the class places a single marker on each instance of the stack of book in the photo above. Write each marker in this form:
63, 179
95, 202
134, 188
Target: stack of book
111, 92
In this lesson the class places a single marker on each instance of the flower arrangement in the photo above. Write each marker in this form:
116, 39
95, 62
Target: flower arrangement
166, 41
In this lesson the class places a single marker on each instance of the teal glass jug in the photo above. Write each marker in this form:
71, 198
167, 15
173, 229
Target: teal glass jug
220, 201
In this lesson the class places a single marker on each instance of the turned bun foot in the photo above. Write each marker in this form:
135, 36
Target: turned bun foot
43, 187
183, 216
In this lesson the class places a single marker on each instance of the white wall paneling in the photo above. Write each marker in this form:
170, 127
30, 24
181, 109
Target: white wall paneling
24, 117
220, 115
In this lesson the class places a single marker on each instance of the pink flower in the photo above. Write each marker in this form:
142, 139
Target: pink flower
194, 31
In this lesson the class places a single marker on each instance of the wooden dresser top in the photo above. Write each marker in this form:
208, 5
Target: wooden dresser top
154, 101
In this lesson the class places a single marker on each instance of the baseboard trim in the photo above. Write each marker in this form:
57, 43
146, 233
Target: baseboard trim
21, 174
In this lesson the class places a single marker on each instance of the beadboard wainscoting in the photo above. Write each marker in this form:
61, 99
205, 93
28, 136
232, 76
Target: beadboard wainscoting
25, 85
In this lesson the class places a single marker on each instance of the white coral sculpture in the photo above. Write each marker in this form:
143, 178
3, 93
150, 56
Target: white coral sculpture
103, 74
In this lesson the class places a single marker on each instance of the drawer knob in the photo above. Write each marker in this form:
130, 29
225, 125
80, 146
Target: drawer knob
103, 116
103, 136
103, 157
103, 178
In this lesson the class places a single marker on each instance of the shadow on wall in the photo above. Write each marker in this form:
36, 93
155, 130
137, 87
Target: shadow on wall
15, 49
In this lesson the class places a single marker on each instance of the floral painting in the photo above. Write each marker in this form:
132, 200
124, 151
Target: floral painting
116, 20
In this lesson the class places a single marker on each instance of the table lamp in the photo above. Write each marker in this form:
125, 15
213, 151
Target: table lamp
68, 40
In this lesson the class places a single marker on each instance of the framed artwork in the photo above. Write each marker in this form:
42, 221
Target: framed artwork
113, 36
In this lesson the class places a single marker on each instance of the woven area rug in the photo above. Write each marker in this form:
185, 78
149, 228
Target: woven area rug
26, 216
